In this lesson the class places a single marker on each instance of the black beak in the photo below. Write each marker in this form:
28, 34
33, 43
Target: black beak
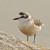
16, 18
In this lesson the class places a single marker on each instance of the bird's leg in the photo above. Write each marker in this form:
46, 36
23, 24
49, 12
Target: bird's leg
27, 38
34, 38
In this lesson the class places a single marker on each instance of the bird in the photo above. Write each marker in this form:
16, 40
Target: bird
28, 24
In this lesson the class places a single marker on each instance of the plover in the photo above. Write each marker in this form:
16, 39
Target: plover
29, 25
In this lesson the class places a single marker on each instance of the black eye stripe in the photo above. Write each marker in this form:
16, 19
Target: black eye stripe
21, 17
24, 16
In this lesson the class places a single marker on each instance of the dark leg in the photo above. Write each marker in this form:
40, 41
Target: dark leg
34, 37
27, 38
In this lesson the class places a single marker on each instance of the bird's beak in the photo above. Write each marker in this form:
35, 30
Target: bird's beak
16, 18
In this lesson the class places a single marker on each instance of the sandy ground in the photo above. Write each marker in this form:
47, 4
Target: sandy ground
8, 42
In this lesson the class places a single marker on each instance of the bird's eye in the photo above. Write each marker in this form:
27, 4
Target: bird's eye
22, 17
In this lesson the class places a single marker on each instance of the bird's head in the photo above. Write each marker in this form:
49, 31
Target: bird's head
23, 17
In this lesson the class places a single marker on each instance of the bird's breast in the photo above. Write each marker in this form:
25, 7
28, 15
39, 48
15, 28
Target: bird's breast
27, 29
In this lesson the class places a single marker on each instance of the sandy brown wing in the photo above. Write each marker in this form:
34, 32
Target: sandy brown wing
37, 22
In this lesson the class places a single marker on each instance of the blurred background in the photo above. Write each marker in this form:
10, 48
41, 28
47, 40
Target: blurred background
9, 9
